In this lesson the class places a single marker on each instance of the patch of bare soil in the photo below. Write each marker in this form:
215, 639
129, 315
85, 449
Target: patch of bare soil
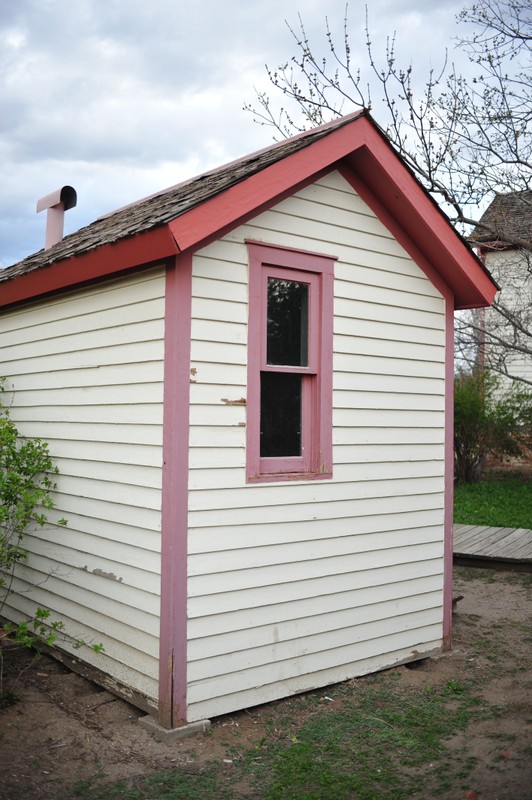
64, 729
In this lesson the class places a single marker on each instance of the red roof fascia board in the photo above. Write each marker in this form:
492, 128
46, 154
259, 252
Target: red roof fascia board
106, 260
282, 177
408, 204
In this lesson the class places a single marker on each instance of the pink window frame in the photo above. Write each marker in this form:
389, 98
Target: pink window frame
318, 272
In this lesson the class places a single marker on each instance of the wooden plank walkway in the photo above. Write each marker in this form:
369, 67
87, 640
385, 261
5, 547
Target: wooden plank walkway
493, 547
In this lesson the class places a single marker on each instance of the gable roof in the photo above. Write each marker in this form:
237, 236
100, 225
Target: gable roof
188, 215
509, 216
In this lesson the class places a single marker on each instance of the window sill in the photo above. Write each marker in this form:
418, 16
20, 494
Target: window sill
279, 477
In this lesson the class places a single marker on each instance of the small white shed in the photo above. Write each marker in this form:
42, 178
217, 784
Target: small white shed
246, 382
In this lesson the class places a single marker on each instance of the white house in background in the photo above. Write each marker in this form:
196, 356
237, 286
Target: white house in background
246, 382
506, 250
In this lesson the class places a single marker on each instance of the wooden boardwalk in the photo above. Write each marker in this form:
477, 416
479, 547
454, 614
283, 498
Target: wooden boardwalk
481, 545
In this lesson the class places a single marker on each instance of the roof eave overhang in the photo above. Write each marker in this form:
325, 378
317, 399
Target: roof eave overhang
366, 158
151, 247
383, 181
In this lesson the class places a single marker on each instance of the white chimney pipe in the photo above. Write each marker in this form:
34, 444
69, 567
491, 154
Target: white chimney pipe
56, 203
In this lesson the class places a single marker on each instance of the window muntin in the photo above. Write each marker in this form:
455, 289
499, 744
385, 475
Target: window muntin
289, 427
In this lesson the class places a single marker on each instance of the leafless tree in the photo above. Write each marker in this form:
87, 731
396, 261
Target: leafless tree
466, 137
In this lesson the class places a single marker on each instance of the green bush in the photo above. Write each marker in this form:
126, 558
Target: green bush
488, 420
26, 485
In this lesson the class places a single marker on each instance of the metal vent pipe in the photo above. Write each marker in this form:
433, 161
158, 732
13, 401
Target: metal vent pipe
56, 204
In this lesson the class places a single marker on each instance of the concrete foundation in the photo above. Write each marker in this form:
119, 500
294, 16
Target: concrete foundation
174, 734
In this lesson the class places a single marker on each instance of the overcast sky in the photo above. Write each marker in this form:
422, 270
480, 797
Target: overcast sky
121, 98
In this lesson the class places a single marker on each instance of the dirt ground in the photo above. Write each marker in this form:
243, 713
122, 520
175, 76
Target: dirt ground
65, 729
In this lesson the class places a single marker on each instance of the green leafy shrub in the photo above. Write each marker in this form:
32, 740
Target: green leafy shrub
26, 486
488, 420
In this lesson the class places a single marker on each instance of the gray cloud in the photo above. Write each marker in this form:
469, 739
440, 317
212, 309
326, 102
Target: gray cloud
121, 98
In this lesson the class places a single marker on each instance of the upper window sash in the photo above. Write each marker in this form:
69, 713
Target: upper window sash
312, 282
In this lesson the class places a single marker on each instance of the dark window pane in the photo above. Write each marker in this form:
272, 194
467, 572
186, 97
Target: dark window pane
280, 415
287, 334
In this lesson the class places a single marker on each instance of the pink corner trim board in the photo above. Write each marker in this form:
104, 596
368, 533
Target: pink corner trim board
173, 632
449, 475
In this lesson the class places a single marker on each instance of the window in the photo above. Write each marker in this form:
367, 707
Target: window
289, 405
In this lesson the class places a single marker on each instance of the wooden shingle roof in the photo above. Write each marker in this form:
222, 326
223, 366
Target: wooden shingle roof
185, 217
160, 208
508, 219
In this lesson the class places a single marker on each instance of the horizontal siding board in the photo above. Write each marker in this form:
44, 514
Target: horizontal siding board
115, 660
227, 537
207, 330
221, 414
218, 311
111, 294
113, 319
352, 564
343, 508
363, 535
114, 433
135, 353
204, 606
81, 619
145, 331
302, 633
246, 619
212, 288
79, 541
291, 552
118, 532
354, 397
136, 516
136, 496
107, 453
388, 348
318, 678
227, 476
120, 608
114, 395
129, 475
226, 353
205, 373
130, 566
387, 418
311, 493
362, 454
386, 331
331, 235
382, 306
390, 436
380, 385
107, 377
86, 374
142, 414
361, 364
380, 637
378, 299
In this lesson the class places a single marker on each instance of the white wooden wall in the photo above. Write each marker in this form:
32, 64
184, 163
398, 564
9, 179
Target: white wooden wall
86, 371
296, 585
511, 269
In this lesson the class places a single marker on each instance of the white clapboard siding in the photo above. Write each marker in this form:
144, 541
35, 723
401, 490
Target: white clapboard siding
302, 608
86, 373
294, 585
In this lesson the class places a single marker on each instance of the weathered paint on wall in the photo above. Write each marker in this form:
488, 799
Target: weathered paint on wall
292, 586
86, 370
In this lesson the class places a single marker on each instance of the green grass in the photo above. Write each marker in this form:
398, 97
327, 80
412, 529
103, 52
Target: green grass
378, 740
503, 501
